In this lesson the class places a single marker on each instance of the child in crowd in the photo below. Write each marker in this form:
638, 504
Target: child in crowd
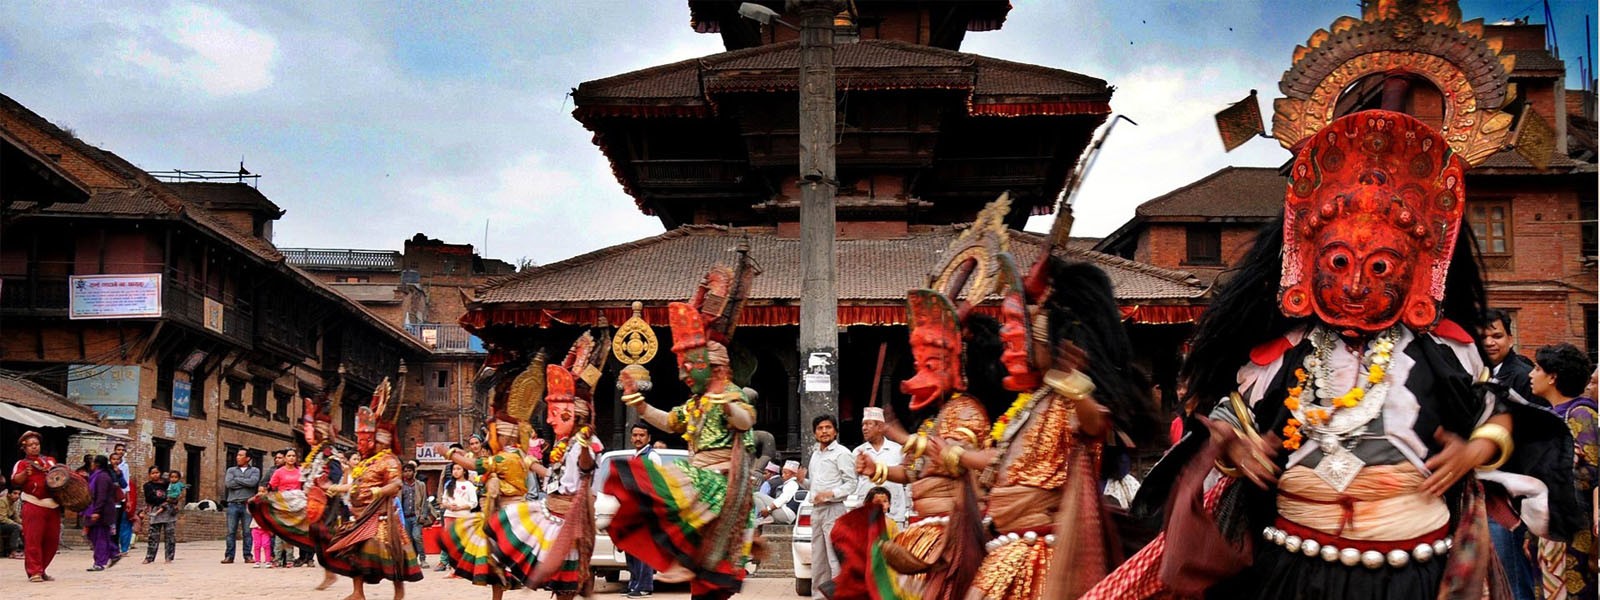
262, 544
175, 489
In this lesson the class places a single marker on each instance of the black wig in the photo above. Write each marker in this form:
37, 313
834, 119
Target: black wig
1082, 309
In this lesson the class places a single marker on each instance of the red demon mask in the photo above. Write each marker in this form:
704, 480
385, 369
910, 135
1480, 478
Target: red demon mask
935, 347
1370, 221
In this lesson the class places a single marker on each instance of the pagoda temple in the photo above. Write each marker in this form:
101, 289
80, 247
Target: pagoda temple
927, 135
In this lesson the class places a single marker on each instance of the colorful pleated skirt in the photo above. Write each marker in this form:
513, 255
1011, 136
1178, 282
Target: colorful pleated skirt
503, 547
371, 547
665, 516
289, 515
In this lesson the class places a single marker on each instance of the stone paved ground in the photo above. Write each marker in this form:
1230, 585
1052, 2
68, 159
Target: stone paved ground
196, 575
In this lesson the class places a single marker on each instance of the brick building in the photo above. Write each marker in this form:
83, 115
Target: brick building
1202, 227
166, 309
1535, 227
421, 289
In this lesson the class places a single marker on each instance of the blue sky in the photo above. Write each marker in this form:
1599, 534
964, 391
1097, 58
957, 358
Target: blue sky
371, 121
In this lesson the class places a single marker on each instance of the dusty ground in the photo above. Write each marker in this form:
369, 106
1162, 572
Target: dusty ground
196, 575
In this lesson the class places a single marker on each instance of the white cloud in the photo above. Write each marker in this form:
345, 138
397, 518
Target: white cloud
1174, 143
199, 48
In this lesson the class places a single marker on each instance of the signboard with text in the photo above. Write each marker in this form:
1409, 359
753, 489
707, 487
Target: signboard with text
114, 296
180, 395
111, 390
425, 454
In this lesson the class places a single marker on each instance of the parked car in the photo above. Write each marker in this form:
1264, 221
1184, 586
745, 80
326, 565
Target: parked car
801, 538
608, 561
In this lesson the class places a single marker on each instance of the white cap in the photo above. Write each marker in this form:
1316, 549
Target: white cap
872, 413
791, 464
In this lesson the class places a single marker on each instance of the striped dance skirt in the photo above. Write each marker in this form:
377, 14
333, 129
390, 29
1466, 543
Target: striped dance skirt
289, 515
665, 516
371, 547
503, 547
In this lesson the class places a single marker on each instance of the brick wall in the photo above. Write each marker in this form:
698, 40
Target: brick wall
1544, 280
1166, 245
202, 525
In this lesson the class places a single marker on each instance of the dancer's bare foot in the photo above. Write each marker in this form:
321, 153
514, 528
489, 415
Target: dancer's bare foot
677, 574
357, 592
328, 579
399, 590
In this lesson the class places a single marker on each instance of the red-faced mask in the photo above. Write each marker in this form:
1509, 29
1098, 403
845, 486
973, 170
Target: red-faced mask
1370, 221
935, 348
559, 400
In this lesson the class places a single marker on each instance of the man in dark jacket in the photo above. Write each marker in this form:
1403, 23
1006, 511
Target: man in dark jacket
1507, 367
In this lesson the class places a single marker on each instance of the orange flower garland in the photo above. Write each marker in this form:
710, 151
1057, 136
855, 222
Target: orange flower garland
1317, 415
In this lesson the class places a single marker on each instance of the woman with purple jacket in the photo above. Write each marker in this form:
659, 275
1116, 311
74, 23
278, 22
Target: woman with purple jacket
101, 516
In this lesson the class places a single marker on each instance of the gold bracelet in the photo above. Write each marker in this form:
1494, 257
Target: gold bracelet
719, 398
952, 459
632, 399
1226, 470
970, 435
1074, 385
880, 473
915, 446
1501, 437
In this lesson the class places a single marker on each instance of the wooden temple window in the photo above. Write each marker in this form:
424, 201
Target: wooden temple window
1491, 224
1204, 244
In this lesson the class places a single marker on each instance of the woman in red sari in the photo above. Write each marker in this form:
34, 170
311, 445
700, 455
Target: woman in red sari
41, 516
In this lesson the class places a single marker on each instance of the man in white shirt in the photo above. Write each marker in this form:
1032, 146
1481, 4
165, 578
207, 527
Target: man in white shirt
885, 452
833, 479
641, 578
780, 510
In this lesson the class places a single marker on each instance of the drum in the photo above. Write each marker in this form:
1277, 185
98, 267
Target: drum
69, 490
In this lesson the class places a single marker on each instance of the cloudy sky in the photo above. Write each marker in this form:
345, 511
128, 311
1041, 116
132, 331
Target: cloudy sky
373, 121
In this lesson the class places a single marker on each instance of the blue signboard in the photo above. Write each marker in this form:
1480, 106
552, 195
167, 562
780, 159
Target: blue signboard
180, 395
111, 390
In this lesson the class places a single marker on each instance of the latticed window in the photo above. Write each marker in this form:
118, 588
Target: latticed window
1491, 224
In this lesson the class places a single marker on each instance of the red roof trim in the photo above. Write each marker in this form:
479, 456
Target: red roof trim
612, 110
1029, 109
770, 316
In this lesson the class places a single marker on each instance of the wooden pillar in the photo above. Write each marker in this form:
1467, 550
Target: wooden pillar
819, 303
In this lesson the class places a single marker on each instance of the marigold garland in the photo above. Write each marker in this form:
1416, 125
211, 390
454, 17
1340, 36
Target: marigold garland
1379, 355
998, 431
559, 452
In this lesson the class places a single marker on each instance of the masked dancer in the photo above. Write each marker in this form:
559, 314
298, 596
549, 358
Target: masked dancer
695, 521
516, 542
372, 546
291, 514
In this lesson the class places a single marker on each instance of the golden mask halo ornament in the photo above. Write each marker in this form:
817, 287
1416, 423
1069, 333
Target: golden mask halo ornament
968, 270
635, 344
1423, 38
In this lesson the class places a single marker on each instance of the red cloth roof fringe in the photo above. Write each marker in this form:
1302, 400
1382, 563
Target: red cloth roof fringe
770, 316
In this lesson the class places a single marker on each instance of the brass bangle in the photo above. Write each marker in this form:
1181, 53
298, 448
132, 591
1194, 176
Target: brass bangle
916, 446
967, 433
1226, 470
1074, 385
952, 459
1501, 437
880, 473
632, 399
